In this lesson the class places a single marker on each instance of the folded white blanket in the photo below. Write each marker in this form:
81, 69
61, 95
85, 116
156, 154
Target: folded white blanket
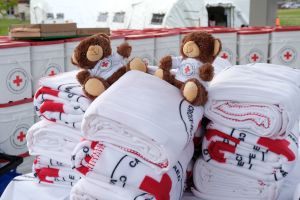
258, 83
265, 120
96, 161
52, 140
145, 117
212, 183
50, 171
250, 155
61, 99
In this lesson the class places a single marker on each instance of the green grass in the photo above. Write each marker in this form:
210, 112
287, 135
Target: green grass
5, 23
289, 17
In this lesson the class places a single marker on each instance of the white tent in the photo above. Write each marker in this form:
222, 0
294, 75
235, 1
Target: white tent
137, 14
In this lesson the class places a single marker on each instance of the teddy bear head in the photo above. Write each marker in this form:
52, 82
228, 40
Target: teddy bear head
90, 50
201, 46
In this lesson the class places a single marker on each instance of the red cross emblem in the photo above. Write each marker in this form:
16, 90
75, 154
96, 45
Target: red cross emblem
287, 55
52, 73
255, 57
160, 190
21, 136
18, 81
224, 55
104, 64
187, 69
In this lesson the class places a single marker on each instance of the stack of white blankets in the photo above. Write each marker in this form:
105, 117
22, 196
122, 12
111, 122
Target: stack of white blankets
138, 141
61, 104
251, 143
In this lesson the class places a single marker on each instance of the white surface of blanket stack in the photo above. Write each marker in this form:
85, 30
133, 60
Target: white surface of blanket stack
251, 144
138, 141
52, 144
60, 99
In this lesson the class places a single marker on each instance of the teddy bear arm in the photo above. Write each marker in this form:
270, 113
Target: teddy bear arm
124, 50
116, 75
206, 72
82, 76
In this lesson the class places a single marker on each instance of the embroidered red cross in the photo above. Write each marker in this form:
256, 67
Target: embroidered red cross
254, 57
287, 55
225, 56
104, 64
21, 136
187, 69
18, 81
160, 190
52, 73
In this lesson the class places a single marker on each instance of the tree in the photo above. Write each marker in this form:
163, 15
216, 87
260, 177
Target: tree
5, 5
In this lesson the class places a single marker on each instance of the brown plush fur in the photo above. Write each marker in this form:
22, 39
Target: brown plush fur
205, 42
104, 82
206, 72
82, 61
124, 50
82, 48
206, 45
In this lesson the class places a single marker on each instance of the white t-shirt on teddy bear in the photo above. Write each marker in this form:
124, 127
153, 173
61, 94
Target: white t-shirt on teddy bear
187, 68
108, 65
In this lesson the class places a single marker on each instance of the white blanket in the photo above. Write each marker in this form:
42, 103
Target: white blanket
52, 140
212, 183
144, 116
258, 83
97, 162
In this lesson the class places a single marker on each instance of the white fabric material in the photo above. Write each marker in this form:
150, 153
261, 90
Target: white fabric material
220, 64
258, 83
109, 65
99, 163
257, 118
52, 140
66, 82
145, 116
212, 183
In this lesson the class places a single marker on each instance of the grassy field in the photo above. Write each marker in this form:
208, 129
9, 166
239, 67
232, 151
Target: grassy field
289, 17
4, 24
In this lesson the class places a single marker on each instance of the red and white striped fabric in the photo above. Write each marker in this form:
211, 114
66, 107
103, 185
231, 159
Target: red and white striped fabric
60, 99
100, 163
258, 157
50, 171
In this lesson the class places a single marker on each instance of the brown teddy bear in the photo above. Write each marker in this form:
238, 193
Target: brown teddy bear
100, 67
194, 66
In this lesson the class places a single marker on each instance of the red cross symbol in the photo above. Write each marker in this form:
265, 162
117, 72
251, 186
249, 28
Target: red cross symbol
104, 64
160, 190
187, 69
254, 57
52, 73
21, 136
18, 81
224, 55
287, 55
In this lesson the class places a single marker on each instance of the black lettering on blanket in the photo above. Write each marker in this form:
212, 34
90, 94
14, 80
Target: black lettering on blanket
226, 141
256, 148
205, 151
125, 165
144, 196
190, 117
293, 138
252, 155
242, 136
283, 173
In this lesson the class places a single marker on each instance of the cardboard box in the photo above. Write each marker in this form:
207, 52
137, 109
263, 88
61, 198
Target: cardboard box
42, 30
92, 31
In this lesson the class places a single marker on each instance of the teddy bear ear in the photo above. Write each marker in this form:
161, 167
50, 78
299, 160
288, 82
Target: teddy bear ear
217, 46
104, 35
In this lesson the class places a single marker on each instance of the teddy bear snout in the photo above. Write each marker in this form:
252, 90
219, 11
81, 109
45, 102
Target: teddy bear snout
94, 53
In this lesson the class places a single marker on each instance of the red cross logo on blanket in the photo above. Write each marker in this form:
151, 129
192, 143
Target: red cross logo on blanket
287, 55
187, 69
160, 190
105, 64
18, 138
17, 80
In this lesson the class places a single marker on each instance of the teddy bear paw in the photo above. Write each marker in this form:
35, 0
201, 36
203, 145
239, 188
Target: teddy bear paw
94, 87
137, 64
190, 91
159, 73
